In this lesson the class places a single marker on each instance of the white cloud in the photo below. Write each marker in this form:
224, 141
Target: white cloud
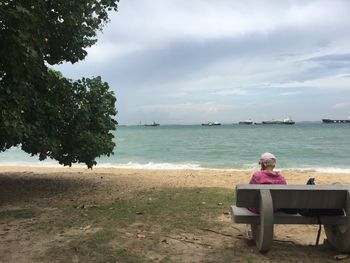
341, 105
231, 92
208, 107
157, 55
200, 19
290, 93
340, 82
105, 52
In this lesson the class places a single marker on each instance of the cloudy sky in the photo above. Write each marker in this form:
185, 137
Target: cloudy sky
181, 61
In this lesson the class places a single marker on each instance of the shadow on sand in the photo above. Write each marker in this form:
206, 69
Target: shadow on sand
25, 187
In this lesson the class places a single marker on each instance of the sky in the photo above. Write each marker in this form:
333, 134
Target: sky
190, 62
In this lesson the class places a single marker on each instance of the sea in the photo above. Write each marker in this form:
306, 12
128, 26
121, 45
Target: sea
300, 147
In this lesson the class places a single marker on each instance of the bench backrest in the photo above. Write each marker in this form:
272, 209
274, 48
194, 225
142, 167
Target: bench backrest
294, 196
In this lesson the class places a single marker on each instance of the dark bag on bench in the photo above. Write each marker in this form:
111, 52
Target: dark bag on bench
320, 212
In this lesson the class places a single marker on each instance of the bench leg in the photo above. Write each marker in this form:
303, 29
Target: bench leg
263, 233
339, 235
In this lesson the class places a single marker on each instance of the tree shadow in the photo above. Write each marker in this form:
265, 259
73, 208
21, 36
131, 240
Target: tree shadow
26, 187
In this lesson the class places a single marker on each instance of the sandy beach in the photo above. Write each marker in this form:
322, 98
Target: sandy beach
48, 189
176, 178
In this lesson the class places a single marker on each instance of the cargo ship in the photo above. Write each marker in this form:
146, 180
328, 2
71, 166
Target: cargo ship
287, 121
215, 123
330, 121
153, 124
246, 122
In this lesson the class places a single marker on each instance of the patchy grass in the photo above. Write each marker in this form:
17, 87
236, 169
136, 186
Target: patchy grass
96, 248
126, 230
173, 208
18, 213
102, 224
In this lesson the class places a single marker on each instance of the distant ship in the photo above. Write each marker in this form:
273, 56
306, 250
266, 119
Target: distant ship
285, 121
246, 122
152, 124
215, 123
328, 121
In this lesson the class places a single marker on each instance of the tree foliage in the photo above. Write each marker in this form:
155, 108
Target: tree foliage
44, 112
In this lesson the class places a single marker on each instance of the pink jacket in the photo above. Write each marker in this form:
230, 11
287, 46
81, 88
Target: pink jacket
266, 177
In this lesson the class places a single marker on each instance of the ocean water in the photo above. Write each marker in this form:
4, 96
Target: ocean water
314, 147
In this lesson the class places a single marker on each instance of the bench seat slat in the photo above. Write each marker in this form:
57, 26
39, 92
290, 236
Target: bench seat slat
242, 215
294, 196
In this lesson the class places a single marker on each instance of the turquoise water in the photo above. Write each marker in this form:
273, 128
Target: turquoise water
318, 147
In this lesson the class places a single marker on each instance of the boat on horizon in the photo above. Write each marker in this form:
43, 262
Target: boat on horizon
330, 121
152, 124
246, 122
215, 123
287, 121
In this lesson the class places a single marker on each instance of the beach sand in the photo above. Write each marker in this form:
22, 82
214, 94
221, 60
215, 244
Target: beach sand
50, 188
176, 178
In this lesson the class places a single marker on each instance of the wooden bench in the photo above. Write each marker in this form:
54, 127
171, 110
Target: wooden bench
269, 198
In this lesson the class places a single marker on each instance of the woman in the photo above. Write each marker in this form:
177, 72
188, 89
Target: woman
266, 175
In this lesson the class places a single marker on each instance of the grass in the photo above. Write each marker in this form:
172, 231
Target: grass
94, 249
18, 213
154, 214
160, 225
182, 208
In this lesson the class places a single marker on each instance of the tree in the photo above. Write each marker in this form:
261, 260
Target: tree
45, 113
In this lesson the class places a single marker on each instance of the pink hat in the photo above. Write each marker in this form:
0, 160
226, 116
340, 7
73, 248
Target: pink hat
267, 157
